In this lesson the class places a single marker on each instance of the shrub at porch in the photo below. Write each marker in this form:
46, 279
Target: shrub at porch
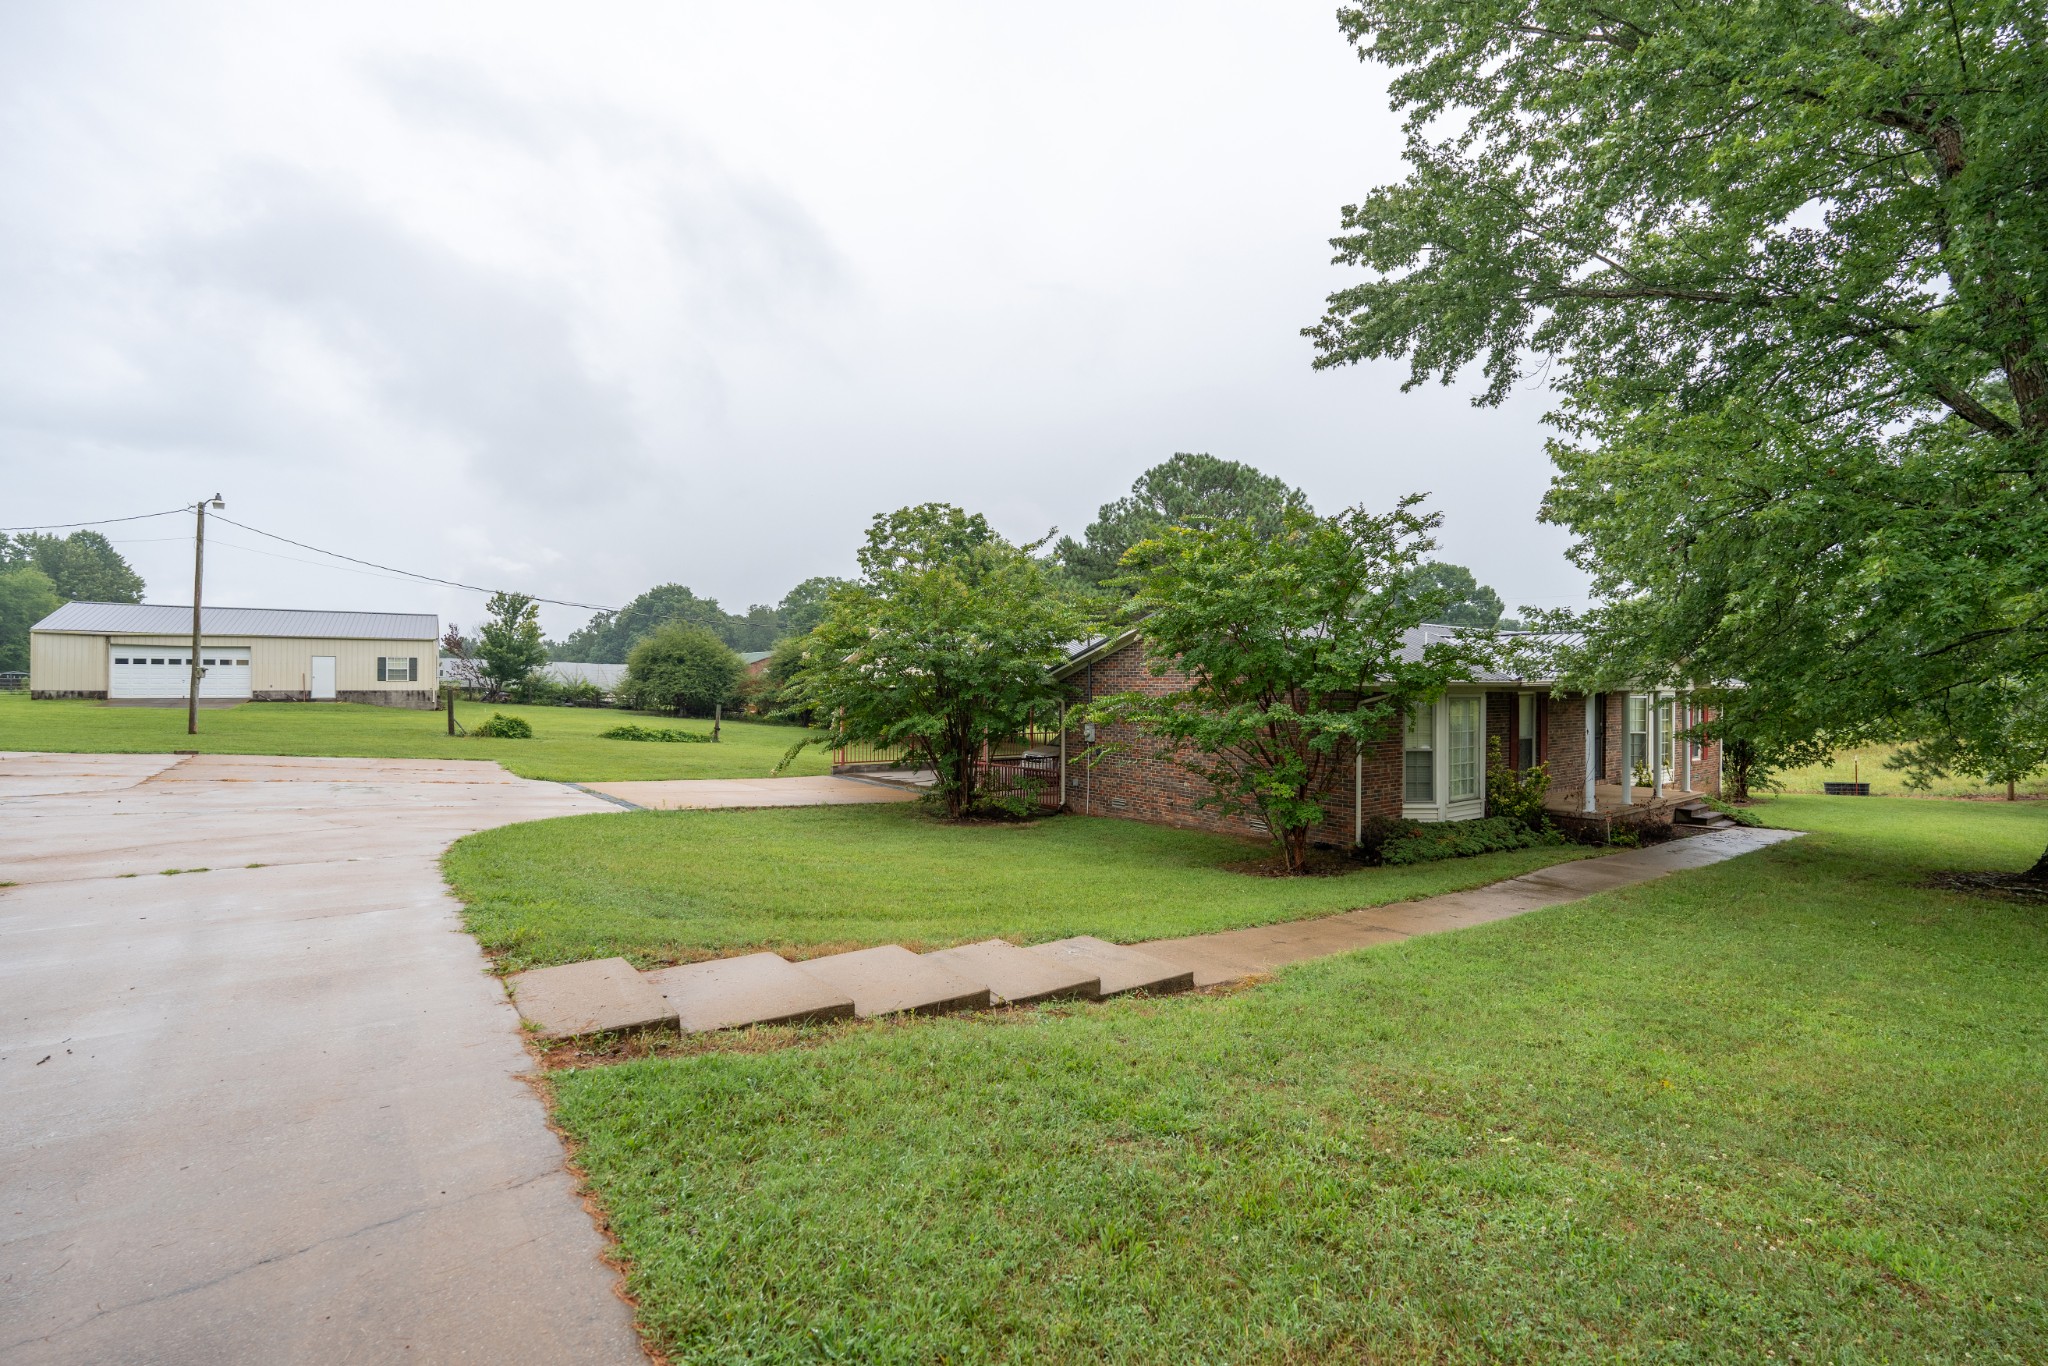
1515, 793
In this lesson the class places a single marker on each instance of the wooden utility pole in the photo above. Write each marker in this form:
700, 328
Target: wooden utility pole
198, 587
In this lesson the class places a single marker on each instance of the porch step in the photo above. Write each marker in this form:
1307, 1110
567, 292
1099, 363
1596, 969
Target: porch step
588, 998
892, 980
1119, 969
754, 989
1017, 976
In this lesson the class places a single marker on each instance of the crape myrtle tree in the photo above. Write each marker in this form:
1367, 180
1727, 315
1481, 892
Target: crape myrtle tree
1191, 489
1291, 641
944, 645
1786, 262
684, 670
509, 647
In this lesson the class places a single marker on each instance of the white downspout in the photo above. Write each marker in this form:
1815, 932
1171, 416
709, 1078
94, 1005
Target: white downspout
1592, 803
1063, 753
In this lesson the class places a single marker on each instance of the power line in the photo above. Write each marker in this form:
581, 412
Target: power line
404, 573
104, 521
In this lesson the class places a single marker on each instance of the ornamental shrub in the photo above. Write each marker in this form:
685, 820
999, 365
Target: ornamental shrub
1403, 842
503, 727
661, 734
1515, 793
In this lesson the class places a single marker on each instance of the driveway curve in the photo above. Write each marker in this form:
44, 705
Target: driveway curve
262, 1101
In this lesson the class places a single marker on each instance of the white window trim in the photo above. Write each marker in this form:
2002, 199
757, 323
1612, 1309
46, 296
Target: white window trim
1443, 808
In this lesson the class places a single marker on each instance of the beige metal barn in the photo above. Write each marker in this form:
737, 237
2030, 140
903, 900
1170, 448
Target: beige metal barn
143, 651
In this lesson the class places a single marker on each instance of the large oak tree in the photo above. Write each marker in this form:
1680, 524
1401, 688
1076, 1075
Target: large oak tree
1784, 262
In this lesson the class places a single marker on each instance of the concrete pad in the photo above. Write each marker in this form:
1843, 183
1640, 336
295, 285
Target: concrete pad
754, 989
588, 998
892, 979
283, 1117
1013, 976
1213, 965
1119, 967
715, 794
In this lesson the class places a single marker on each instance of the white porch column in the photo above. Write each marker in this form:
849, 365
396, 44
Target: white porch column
1628, 764
1685, 747
1592, 736
1656, 745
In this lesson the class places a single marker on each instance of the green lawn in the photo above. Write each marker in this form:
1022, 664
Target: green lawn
664, 887
565, 744
1867, 765
1791, 1108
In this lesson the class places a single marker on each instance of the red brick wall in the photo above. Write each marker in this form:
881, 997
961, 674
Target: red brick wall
1565, 745
1138, 782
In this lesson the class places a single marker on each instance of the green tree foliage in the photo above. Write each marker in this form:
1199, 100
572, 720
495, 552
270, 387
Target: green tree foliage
684, 670
509, 647
83, 567
803, 607
1468, 601
1292, 643
609, 637
26, 597
1191, 490
943, 646
1788, 263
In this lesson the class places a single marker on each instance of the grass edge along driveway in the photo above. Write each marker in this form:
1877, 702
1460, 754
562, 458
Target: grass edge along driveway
676, 886
565, 746
1794, 1104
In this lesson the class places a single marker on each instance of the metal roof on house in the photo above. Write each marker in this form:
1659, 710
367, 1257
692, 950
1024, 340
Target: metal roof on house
1413, 643
152, 619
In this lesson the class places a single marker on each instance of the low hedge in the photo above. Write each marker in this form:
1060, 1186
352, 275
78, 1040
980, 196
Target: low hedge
1396, 842
662, 734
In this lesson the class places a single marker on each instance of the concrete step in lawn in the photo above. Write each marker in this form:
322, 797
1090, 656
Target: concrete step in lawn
892, 980
1119, 968
1019, 977
753, 989
596, 997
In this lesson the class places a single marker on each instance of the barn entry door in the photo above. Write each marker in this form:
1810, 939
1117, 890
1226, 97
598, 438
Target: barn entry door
323, 678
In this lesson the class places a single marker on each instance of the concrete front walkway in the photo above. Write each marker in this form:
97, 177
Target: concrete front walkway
708, 794
733, 993
272, 1114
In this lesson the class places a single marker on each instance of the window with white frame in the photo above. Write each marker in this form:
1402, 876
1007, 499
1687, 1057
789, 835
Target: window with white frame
1418, 756
1525, 730
393, 669
1639, 735
1467, 766
1665, 711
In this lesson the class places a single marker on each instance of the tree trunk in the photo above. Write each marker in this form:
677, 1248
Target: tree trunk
2011, 794
1294, 849
2039, 872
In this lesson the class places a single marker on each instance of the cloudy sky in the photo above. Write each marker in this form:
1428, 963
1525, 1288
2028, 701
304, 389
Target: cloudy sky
581, 298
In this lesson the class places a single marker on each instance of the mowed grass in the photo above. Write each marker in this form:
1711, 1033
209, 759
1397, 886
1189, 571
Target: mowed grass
674, 886
565, 746
1793, 1107
1867, 765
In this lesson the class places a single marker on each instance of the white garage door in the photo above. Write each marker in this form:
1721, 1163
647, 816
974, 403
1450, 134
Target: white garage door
166, 671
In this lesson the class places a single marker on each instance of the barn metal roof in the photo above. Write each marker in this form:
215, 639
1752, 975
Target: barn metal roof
152, 619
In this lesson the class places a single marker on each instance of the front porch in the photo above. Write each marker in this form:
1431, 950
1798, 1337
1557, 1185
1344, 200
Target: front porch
1644, 809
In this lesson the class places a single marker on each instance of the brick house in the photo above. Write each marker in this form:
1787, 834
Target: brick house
1434, 770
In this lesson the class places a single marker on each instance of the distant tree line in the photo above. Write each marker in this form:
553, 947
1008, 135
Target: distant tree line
609, 637
40, 573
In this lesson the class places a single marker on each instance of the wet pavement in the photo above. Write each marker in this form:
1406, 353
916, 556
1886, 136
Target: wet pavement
274, 1110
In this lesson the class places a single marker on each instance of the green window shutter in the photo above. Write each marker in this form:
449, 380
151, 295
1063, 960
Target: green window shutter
380, 669
412, 669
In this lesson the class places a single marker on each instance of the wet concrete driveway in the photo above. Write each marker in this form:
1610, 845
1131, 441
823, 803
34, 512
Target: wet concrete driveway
272, 1113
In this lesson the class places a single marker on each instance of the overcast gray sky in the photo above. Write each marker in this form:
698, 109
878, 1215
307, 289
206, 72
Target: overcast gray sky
582, 298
